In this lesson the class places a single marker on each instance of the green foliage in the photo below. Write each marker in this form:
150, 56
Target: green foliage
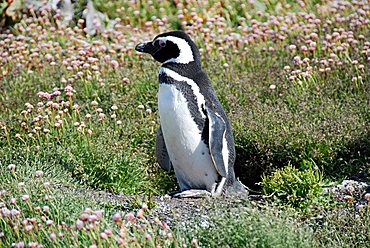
252, 227
296, 187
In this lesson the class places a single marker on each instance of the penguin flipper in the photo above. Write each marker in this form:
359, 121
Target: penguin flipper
161, 151
217, 132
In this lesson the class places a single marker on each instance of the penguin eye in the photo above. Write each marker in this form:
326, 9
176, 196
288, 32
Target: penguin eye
162, 43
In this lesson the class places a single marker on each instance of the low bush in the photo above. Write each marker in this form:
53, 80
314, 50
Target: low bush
295, 187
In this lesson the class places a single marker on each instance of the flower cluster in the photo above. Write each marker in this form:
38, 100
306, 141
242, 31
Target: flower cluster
53, 114
32, 219
319, 40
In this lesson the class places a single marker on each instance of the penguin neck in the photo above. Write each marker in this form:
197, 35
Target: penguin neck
186, 70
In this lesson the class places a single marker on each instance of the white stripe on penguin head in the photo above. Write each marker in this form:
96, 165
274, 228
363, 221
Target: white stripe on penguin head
186, 54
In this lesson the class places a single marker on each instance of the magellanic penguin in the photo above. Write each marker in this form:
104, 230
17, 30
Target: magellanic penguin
194, 136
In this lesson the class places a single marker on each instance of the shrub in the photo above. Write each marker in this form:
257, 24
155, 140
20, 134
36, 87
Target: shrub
293, 186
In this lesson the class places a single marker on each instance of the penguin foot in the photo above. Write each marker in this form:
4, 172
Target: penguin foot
192, 193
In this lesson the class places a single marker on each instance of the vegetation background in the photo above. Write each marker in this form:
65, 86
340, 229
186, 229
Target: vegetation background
78, 115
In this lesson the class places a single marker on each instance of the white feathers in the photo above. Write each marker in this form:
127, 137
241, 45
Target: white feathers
188, 153
193, 85
225, 153
186, 54
177, 123
217, 187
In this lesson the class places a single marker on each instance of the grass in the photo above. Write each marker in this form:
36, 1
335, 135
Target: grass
292, 77
251, 227
36, 211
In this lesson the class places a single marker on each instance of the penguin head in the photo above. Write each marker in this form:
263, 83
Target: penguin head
172, 47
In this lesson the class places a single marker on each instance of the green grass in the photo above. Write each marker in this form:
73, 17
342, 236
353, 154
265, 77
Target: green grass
37, 209
254, 227
286, 106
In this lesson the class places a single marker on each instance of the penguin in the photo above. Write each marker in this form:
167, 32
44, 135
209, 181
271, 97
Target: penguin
194, 137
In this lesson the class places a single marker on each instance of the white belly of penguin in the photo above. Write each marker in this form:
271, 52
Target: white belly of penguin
189, 155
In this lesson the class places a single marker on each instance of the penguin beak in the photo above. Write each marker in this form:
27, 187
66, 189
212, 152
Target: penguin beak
146, 48
140, 47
